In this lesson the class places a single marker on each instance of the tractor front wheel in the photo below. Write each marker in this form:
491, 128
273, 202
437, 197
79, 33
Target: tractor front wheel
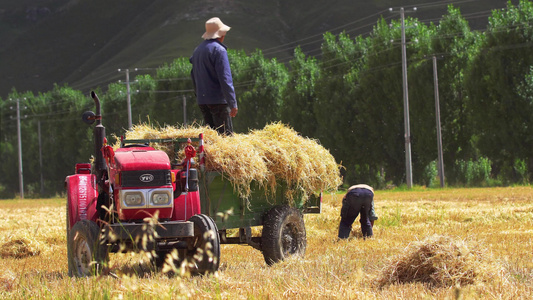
283, 234
204, 251
162, 258
86, 256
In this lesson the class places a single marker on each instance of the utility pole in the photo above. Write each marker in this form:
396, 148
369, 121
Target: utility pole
40, 157
128, 97
437, 114
21, 183
408, 171
407, 130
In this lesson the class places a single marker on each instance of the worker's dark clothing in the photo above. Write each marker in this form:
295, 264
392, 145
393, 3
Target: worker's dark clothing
357, 201
217, 117
213, 84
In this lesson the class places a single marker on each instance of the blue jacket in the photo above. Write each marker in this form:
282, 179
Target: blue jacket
211, 74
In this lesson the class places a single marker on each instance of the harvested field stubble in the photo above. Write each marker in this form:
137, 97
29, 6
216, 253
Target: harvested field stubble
476, 222
274, 155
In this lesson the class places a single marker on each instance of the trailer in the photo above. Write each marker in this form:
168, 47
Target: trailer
135, 198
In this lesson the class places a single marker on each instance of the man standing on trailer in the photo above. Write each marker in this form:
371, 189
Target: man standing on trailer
358, 200
211, 75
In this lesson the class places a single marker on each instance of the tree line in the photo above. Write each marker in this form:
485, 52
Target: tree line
349, 97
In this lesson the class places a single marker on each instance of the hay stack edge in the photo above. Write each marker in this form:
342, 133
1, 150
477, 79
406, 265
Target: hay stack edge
274, 155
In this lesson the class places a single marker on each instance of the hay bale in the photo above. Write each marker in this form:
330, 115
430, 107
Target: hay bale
18, 248
439, 261
276, 154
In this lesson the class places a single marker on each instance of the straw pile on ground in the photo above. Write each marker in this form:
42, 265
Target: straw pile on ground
18, 248
441, 261
274, 155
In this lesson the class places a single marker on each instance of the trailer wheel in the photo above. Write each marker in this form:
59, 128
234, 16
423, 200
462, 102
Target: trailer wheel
86, 256
283, 234
204, 252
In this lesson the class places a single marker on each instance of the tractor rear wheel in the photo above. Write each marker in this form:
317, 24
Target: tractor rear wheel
204, 251
86, 256
283, 234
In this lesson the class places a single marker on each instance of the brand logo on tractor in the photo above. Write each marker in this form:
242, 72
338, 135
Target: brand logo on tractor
146, 177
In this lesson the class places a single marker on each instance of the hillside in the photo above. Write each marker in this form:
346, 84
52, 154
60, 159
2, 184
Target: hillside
83, 43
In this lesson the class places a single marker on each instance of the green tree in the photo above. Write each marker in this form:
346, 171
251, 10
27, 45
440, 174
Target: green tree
299, 96
115, 110
421, 99
501, 116
173, 83
259, 87
143, 98
454, 43
339, 105
9, 185
382, 94
66, 140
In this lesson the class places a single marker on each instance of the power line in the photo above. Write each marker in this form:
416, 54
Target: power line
288, 46
251, 82
442, 3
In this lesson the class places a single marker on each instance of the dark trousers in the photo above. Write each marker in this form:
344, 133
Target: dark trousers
217, 117
357, 201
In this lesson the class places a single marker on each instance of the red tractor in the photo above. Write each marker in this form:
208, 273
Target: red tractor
135, 198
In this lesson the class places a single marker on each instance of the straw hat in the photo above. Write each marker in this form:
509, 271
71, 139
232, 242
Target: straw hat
214, 28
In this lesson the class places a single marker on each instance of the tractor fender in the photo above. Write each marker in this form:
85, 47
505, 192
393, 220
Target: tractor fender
82, 194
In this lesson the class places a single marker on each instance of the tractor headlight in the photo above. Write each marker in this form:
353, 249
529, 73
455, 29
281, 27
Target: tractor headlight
160, 198
134, 199
147, 198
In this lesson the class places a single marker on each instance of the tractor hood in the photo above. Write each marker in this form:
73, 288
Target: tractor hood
132, 160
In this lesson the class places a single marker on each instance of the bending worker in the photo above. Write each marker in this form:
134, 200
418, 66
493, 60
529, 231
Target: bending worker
358, 200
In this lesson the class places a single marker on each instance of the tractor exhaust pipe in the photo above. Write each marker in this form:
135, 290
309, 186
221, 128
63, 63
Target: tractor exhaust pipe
99, 136
98, 116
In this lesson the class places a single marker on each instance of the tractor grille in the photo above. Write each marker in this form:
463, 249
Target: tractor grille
146, 178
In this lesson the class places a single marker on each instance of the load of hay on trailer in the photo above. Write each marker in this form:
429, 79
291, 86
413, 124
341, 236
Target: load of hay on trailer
274, 155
